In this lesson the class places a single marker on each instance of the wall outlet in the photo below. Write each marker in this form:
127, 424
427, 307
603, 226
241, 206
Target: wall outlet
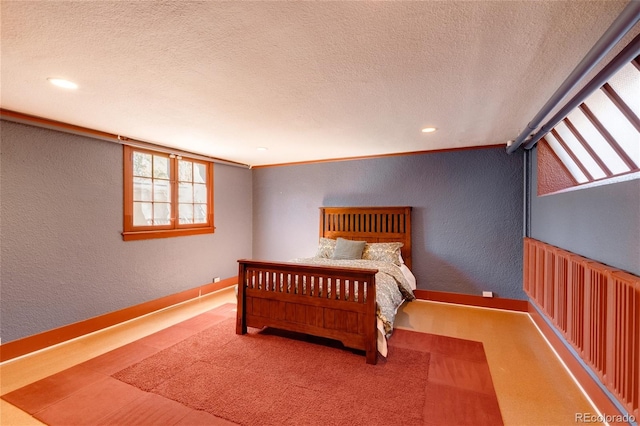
216, 279
487, 294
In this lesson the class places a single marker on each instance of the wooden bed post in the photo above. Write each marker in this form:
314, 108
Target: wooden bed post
241, 316
371, 329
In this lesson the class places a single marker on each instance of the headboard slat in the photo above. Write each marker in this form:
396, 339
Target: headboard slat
370, 224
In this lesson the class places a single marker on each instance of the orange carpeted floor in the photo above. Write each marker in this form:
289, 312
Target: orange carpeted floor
199, 372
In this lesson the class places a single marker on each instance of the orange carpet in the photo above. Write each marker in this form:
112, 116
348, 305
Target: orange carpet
200, 372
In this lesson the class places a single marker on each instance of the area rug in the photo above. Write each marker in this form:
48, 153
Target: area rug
276, 378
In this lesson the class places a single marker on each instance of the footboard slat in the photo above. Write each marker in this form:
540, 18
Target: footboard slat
332, 302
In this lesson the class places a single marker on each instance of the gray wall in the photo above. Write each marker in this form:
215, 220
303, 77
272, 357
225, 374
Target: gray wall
62, 256
467, 213
601, 223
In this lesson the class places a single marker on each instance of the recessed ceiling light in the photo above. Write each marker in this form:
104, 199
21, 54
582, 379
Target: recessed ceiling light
60, 82
262, 148
429, 130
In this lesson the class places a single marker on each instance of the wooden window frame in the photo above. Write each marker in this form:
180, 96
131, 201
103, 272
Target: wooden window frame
174, 229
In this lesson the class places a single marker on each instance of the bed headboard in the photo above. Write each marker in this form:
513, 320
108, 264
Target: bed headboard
370, 224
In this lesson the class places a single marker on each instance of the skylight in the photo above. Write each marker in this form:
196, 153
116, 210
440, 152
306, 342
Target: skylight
601, 138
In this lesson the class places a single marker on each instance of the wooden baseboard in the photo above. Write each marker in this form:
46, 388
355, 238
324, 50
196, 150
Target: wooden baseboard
471, 300
48, 338
591, 387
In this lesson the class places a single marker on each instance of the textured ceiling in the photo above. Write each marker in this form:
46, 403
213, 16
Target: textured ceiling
307, 80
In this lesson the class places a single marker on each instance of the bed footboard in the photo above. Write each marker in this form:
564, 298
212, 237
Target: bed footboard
332, 302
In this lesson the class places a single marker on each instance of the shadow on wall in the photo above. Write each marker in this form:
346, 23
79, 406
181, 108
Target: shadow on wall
433, 272
443, 276
442, 260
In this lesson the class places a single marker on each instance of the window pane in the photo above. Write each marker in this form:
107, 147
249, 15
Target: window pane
186, 213
161, 213
199, 193
626, 83
160, 167
185, 194
579, 151
616, 123
167, 195
566, 159
142, 189
597, 142
199, 173
200, 213
161, 190
141, 164
184, 171
142, 214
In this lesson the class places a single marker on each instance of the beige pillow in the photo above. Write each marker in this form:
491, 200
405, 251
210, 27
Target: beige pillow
326, 246
384, 252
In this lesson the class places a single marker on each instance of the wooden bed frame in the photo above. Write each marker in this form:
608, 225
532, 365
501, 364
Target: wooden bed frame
271, 294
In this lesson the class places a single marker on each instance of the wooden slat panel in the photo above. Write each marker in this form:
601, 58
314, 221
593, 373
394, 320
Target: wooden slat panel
361, 325
548, 283
526, 268
249, 305
263, 307
329, 318
341, 320
277, 310
300, 314
623, 366
290, 312
595, 318
561, 281
317, 315
305, 300
351, 322
539, 281
356, 341
576, 306
597, 308
371, 224
310, 309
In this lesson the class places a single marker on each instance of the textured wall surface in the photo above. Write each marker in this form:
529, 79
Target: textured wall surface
467, 213
63, 258
552, 174
601, 223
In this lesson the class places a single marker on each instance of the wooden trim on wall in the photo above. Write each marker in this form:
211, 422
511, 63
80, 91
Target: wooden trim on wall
45, 123
473, 300
369, 157
52, 337
590, 386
